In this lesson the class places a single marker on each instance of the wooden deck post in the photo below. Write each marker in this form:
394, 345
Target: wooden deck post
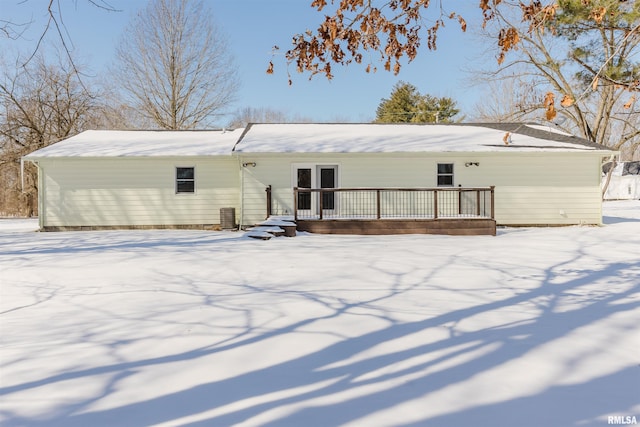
493, 205
321, 202
269, 200
477, 202
378, 214
435, 204
295, 204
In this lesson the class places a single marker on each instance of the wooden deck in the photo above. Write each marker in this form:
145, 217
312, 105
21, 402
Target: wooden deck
375, 211
452, 227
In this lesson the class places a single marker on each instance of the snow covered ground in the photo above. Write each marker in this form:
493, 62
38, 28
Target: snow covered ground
533, 327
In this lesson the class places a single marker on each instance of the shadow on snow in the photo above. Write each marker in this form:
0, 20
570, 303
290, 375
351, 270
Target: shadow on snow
332, 370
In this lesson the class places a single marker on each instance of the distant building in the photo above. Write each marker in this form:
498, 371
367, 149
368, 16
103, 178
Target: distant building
624, 183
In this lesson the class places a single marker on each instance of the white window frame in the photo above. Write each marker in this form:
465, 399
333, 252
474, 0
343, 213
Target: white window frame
315, 180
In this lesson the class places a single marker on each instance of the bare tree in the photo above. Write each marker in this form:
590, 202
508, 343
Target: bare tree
512, 99
174, 65
41, 103
579, 70
244, 116
112, 112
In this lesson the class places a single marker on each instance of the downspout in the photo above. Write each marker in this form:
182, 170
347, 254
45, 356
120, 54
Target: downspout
41, 196
241, 169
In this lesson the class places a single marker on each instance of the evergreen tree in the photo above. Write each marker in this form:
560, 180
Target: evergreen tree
407, 105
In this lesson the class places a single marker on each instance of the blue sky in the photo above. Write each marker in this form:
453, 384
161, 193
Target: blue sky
252, 28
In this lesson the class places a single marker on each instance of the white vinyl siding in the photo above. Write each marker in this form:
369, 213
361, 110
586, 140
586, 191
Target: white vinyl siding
135, 191
551, 188
540, 189
531, 188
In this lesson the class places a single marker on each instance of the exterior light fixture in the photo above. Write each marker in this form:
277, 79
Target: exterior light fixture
472, 164
252, 164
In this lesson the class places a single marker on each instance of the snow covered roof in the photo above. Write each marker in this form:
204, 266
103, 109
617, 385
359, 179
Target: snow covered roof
133, 143
318, 138
389, 138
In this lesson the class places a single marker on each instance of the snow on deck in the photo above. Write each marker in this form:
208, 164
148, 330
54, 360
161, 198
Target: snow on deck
389, 138
115, 143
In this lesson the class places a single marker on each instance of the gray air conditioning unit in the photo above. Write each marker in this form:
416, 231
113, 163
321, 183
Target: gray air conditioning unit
228, 218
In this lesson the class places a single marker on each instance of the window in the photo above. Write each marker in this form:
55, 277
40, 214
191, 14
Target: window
185, 180
304, 181
445, 174
328, 180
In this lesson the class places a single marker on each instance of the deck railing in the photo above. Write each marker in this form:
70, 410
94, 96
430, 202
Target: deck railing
393, 203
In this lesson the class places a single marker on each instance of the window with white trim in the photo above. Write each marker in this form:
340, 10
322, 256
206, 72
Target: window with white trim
445, 174
185, 180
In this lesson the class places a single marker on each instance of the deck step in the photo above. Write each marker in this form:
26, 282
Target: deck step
277, 222
260, 235
273, 227
286, 224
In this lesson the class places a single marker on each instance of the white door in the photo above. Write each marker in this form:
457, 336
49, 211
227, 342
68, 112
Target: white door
315, 177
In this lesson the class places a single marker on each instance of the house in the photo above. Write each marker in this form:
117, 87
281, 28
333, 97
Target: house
377, 178
624, 182
105, 179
